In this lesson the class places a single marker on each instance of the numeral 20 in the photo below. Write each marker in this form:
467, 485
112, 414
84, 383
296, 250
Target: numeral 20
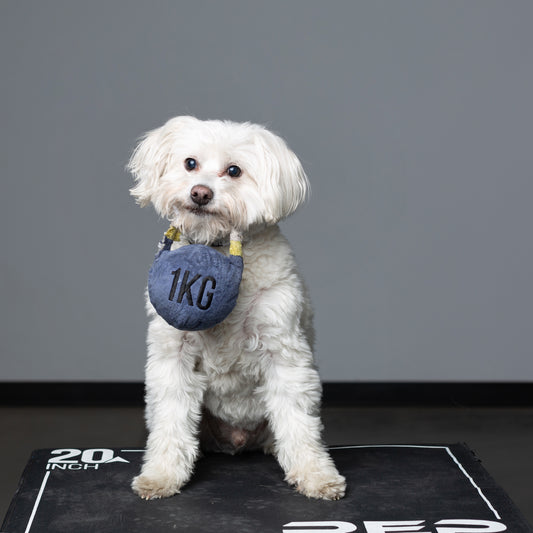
91, 456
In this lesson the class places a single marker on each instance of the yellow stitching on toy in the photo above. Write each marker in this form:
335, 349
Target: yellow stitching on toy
235, 248
173, 233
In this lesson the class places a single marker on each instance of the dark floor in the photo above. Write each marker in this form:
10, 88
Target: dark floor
502, 437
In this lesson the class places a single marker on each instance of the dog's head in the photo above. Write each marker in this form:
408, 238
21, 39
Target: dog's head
211, 177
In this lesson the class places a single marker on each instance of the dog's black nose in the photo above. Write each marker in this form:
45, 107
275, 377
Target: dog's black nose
201, 195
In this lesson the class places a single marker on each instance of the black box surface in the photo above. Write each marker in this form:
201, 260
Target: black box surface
391, 488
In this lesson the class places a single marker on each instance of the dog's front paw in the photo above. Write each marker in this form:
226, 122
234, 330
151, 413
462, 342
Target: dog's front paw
325, 486
151, 488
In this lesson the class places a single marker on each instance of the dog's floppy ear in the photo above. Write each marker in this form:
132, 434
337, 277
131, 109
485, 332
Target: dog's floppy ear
285, 186
151, 157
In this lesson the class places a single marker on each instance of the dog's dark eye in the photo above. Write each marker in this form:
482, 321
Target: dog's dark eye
191, 164
234, 171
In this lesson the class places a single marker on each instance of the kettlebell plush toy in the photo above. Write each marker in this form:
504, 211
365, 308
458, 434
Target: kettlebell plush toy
195, 287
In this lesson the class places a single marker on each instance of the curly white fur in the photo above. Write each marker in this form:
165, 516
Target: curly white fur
249, 382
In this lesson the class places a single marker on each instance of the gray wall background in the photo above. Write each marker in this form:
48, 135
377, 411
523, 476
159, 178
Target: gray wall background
414, 120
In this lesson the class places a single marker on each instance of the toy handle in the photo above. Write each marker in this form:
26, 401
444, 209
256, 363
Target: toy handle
173, 234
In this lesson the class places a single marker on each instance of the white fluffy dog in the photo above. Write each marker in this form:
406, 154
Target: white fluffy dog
250, 382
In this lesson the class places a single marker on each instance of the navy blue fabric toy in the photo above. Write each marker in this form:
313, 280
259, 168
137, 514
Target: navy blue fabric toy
194, 287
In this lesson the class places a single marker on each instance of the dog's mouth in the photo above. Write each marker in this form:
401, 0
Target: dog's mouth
190, 210
199, 210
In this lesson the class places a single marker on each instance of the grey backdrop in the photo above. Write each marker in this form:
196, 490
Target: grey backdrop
414, 120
